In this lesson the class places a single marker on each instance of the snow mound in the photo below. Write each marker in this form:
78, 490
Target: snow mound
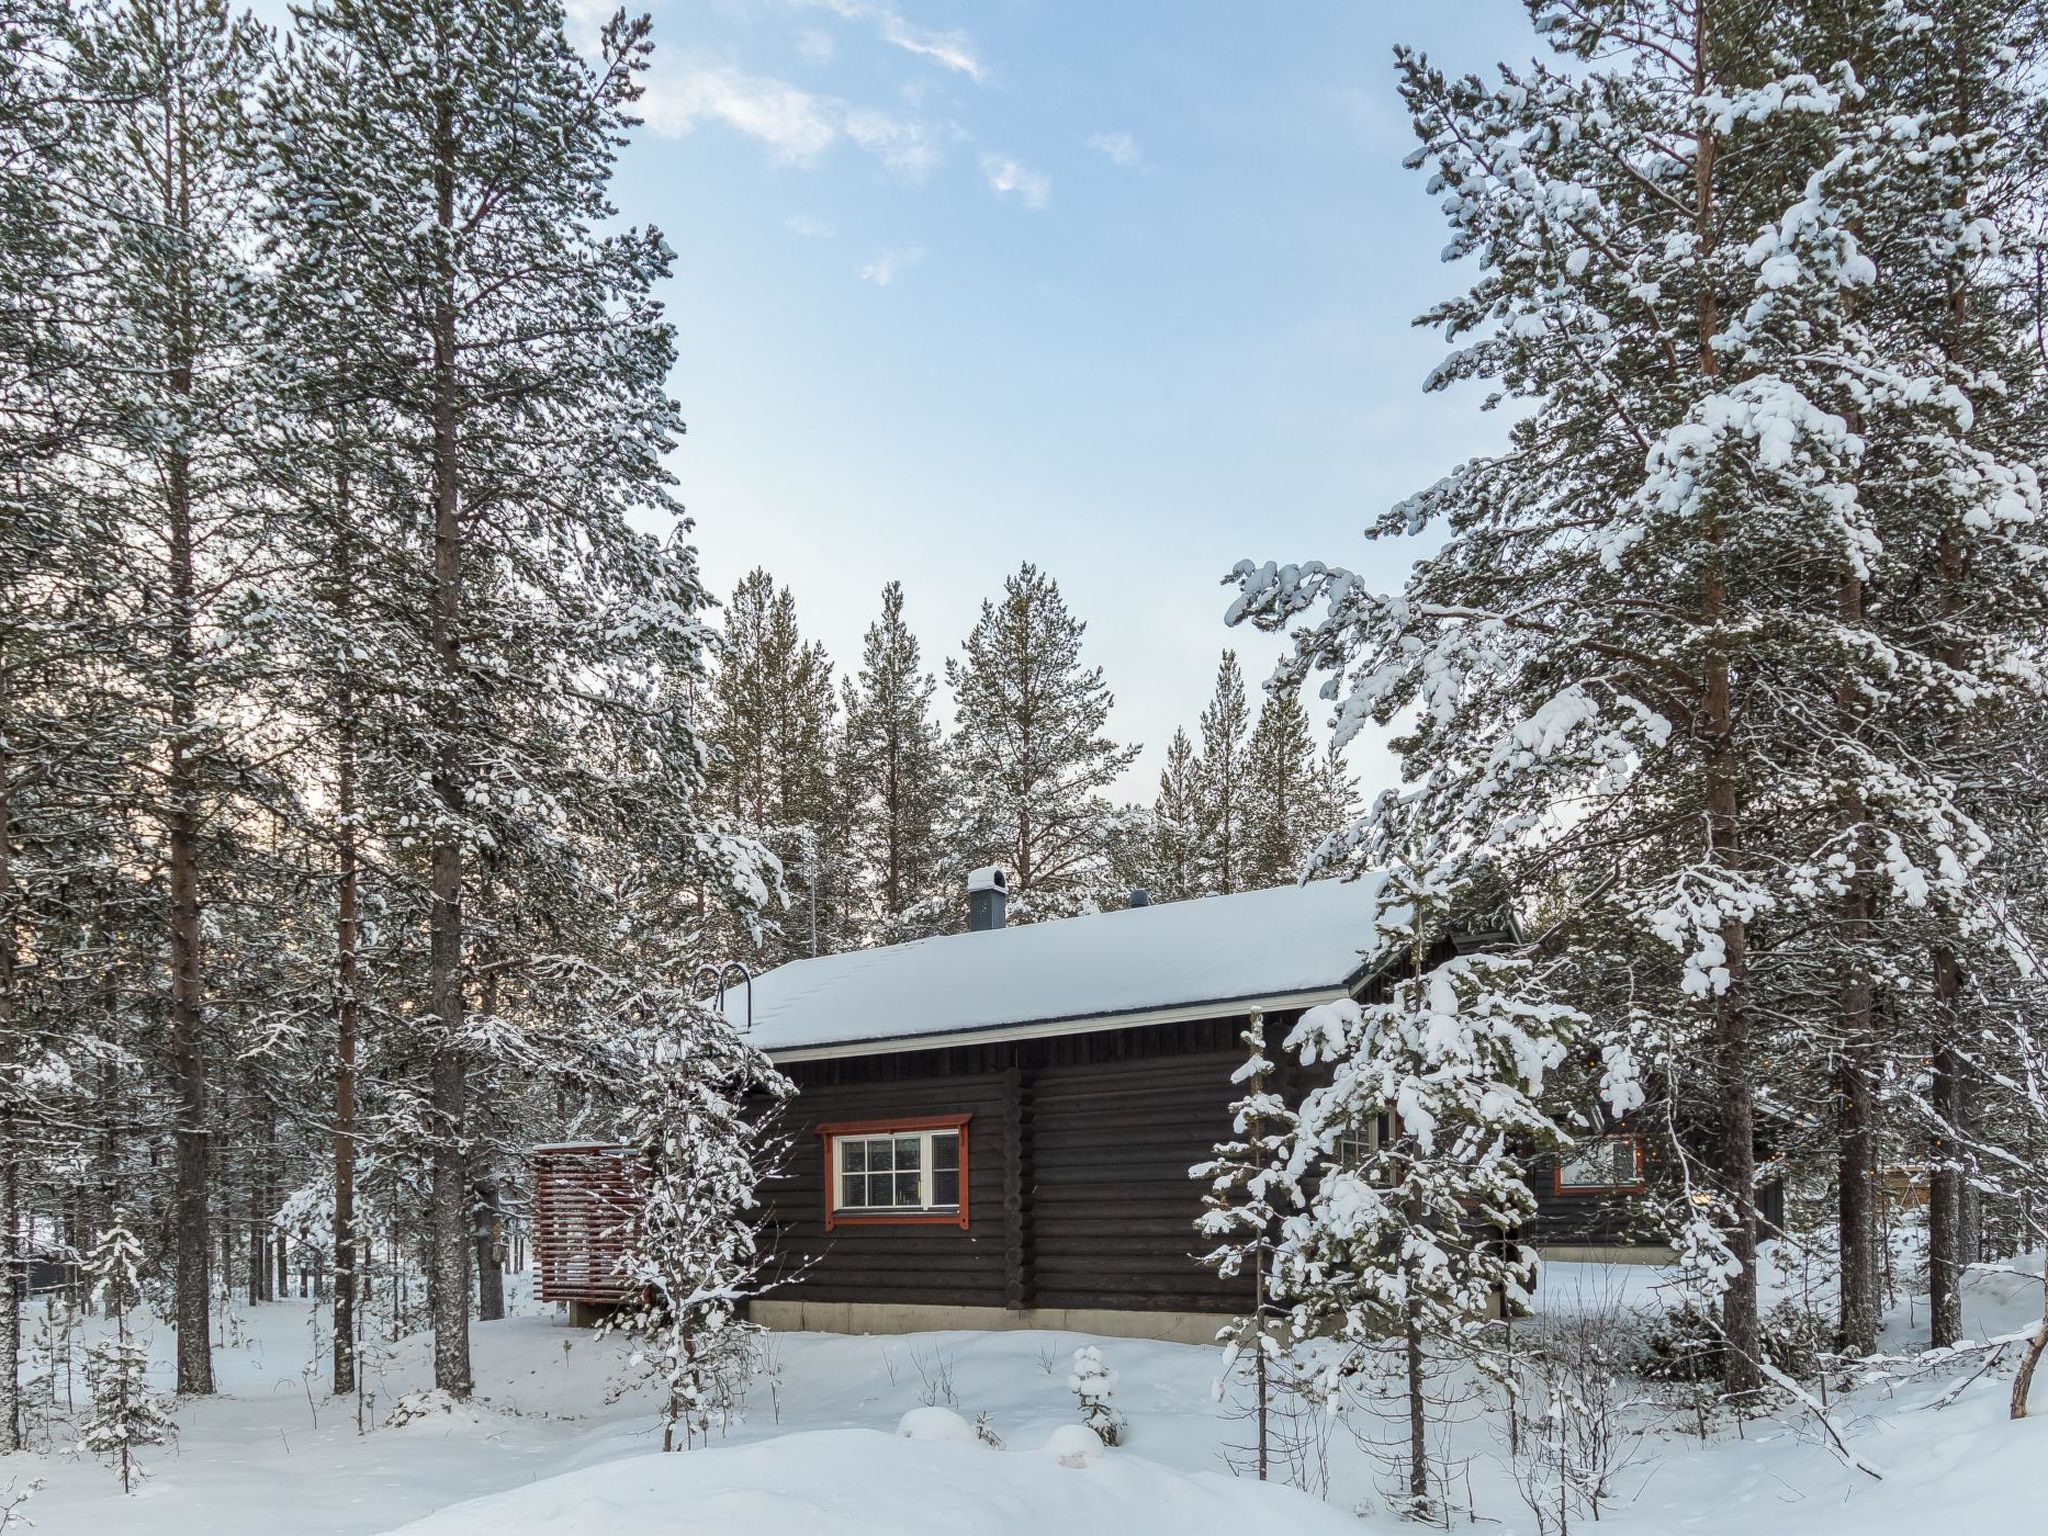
858, 1482
1074, 1445
934, 1424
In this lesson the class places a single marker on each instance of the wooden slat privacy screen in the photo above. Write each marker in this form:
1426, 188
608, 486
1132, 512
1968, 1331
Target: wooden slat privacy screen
585, 1200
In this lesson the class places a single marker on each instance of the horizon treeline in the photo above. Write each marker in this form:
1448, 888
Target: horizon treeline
877, 808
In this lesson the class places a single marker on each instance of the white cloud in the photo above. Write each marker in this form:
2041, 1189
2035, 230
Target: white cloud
891, 264
903, 144
949, 50
809, 228
1121, 148
796, 126
1006, 175
815, 47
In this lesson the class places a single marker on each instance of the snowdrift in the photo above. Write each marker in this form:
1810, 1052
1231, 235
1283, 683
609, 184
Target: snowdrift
861, 1482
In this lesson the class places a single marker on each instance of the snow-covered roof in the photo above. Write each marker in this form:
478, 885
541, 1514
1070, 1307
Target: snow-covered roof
1274, 948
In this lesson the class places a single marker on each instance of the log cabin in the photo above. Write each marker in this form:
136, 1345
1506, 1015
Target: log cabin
994, 1129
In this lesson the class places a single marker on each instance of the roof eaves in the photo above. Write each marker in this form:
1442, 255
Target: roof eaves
1042, 1029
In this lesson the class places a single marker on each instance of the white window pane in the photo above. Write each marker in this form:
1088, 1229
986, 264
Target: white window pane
853, 1190
853, 1156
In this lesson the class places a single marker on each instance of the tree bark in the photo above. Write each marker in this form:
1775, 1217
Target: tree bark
1945, 1259
490, 1275
449, 1197
1856, 1134
190, 1144
1731, 1020
10, 1299
345, 968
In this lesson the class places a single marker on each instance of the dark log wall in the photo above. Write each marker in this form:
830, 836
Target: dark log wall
1078, 1159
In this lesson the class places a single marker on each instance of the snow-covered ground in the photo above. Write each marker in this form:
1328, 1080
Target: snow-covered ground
560, 1442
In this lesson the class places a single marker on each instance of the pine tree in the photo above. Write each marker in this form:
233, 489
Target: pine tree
1174, 836
772, 717
697, 1250
447, 166
1251, 1192
1030, 763
891, 774
1622, 658
168, 161
125, 1414
1285, 818
1416, 1144
1222, 776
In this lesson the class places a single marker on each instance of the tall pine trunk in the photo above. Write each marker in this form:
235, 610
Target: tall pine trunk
191, 1148
1945, 1258
449, 1198
10, 1300
1739, 1313
1856, 1141
190, 1145
345, 936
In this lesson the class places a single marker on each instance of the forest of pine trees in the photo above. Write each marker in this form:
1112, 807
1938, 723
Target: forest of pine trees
374, 785
1728, 670
366, 767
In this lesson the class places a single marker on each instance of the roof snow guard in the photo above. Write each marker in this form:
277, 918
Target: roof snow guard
1288, 947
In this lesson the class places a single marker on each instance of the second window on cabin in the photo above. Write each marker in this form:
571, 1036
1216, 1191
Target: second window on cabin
897, 1171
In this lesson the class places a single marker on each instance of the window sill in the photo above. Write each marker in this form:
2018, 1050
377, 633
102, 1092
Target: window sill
858, 1218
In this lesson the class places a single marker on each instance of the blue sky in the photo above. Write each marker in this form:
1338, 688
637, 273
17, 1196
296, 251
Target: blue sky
1123, 289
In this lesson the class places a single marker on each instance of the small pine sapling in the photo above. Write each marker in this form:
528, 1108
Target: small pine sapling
124, 1414
1250, 1190
1417, 1145
695, 1254
1093, 1384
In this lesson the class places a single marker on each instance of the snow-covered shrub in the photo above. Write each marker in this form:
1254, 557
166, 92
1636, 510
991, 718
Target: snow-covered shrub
1687, 1345
1093, 1384
695, 1254
1576, 1416
414, 1406
935, 1378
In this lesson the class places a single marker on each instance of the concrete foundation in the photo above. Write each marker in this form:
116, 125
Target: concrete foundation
1606, 1253
793, 1316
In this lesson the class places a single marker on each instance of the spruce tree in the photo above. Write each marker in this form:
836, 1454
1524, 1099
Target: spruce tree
891, 772
1029, 758
1251, 1191
125, 1415
1175, 832
1284, 818
1222, 777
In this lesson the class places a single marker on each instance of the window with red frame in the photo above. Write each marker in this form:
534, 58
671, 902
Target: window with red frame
1603, 1165
896, 1171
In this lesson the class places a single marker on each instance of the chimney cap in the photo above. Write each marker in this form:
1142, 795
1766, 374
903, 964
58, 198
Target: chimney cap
1140, 897
987, 878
